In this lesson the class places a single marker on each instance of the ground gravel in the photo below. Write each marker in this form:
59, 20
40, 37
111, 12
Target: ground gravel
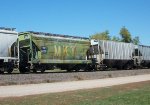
13, 79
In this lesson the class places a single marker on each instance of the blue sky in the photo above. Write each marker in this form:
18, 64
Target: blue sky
78, 17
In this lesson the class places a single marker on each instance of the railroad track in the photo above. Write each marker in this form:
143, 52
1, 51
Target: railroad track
55, 76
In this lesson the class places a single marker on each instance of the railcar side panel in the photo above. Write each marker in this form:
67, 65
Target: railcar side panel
60, 50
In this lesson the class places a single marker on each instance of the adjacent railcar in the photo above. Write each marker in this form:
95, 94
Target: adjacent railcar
112, 54
8, 49
144, 55
41, 51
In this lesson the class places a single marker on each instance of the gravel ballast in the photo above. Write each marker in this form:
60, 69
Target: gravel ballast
13, 79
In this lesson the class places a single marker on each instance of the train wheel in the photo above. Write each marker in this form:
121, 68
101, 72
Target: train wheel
129, 66
1, 72
149, 66
22, 69
9, 70
90, 68
77, 68
86, 68
42, 70
119, 68
69, 70
34, 71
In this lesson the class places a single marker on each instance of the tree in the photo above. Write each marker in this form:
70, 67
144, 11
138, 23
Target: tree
116, 39
125, 35
101, 36
136, 40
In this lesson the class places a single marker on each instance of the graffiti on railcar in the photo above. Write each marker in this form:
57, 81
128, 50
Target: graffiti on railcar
64, 51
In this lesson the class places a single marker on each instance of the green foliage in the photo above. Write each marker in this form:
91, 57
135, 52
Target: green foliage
136, 40
101, 36
116, 39
125, 35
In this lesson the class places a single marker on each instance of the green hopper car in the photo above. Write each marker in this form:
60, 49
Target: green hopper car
44, 51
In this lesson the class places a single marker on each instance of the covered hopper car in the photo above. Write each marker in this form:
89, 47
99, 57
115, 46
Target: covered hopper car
8, 49
120, 55
41, 51
143, 53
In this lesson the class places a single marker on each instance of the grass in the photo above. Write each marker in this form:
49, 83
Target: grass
129, 94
